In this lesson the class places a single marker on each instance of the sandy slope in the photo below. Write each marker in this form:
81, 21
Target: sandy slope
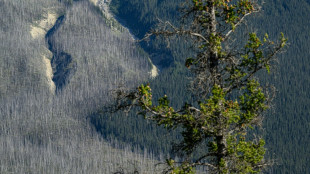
40, 28
94, 1
49, 73
38, 31
154, 71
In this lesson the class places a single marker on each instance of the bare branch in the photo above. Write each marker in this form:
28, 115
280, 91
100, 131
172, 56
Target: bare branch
204, 164
173, 31
237, 24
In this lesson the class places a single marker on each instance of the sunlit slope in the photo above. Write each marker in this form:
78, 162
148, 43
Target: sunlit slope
44, 128
21, 62
101, 49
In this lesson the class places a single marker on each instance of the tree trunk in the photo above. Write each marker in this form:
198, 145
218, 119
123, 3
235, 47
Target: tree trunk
221, 151
213, 50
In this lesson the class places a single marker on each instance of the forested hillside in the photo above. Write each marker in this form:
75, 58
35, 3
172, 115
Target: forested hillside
58, 61
287, 125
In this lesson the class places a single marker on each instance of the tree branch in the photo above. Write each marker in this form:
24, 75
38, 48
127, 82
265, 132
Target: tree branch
236, 25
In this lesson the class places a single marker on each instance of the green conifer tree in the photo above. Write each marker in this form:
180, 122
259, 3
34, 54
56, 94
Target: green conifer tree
229, 100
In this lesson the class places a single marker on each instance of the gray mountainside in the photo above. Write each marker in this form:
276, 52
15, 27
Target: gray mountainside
57, 64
